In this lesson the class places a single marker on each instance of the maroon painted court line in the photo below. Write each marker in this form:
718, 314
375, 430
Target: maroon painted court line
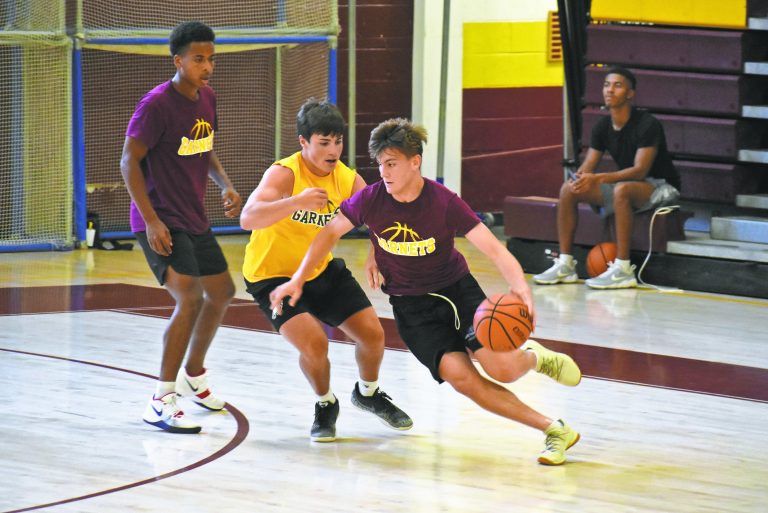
76, 298
676, 373
242, 431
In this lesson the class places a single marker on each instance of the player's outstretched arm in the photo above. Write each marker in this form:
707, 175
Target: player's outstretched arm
272, 199
484, 240
320, 247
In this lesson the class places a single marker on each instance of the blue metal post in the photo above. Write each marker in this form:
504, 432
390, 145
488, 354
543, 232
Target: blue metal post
78, 144
332, 72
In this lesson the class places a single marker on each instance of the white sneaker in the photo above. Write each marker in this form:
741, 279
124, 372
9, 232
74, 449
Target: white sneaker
615, 277
165, 414
560, 272
197, 390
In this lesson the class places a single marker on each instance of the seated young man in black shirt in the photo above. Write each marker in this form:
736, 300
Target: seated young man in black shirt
645, 179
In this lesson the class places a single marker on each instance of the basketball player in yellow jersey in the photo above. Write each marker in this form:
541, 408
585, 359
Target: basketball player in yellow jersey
296, 198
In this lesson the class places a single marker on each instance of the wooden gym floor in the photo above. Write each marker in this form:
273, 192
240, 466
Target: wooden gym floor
672, 411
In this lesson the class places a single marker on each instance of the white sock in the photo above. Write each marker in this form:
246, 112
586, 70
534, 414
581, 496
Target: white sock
367, 388
566, 259
556, 424
164, 388
328, 397
624, 264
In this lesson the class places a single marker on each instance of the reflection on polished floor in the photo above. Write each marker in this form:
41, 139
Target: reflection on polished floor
672, 408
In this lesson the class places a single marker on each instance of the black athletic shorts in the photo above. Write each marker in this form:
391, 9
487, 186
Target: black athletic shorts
438, 323
191, 255
333, 297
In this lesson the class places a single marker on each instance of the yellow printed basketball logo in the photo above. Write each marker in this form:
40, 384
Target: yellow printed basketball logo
401, 228
411, 244
202, 127
201, 142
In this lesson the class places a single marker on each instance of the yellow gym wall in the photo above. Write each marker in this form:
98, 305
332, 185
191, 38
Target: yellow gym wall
508, 55
512, 112
705, 13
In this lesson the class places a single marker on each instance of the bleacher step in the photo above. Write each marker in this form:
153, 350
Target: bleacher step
755, 111
760, 156
703, 246
740, 228
752, 201
756, 68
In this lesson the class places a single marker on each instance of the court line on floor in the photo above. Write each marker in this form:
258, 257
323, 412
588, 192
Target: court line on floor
243, 427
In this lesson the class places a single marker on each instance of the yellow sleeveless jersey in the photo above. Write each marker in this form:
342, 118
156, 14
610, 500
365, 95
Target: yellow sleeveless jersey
279, 249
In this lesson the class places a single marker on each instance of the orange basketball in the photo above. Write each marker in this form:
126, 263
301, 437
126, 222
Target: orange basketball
502, 322
600, 257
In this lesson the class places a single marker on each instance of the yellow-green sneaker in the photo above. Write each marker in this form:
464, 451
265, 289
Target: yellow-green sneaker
558, 366
560, 437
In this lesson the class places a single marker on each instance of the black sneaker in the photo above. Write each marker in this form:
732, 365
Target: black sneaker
380, 404
324, 427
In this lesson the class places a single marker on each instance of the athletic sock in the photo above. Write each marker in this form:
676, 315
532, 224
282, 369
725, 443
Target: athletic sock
367, 388
328, 397
624, 264
566, 259
164, 388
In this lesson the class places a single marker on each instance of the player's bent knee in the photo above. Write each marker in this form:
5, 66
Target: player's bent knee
566, 191
191, 301
464, 382
314, 350
503, 374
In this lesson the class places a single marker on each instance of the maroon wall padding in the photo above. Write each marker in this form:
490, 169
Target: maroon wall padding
535, 218
511, 142
723, 51
697, 93
512, 102
484, 136
698, 136
384, 78
487, 179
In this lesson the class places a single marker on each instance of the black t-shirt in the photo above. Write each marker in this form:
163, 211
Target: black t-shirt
641, 131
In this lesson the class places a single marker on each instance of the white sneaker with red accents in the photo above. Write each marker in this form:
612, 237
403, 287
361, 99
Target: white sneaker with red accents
165, 414
197, 390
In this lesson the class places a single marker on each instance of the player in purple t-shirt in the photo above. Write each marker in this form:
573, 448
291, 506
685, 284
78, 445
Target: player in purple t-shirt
412, 223
167, 159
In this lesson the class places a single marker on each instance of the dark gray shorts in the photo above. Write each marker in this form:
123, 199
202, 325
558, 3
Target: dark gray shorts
428, 323
333, 297
192, 255
663, 194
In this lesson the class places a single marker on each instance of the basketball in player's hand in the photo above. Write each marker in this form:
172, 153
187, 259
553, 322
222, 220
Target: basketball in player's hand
600, 257
502, 322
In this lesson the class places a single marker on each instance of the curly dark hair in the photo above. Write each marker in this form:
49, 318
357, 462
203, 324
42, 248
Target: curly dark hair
189, 32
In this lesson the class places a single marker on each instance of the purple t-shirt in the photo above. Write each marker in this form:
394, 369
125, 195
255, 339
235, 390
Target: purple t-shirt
414, 241
179, 134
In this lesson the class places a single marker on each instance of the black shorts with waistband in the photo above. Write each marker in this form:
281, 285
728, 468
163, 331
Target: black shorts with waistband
440, 322
333, 297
